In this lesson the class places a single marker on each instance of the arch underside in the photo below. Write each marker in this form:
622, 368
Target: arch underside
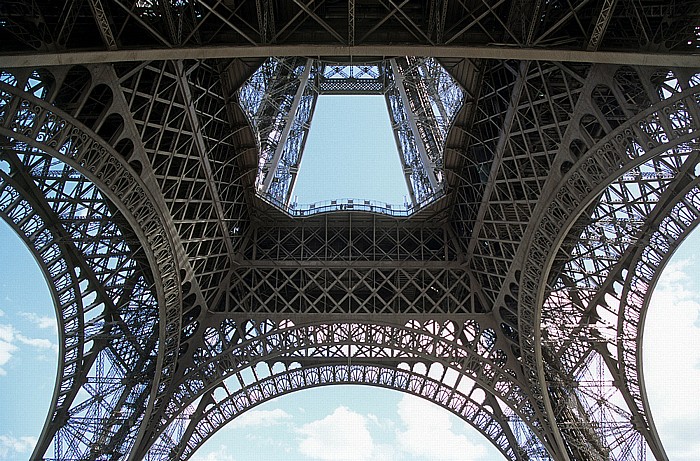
665, 215
517, 303
108, 319
103, 283
464, 356
634, 198
489, 416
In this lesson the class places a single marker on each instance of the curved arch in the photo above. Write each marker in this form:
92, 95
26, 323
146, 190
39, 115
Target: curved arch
599, 273
468, 350
492, 423
659, 129
56, 268
31, 121
645, 269
92, 288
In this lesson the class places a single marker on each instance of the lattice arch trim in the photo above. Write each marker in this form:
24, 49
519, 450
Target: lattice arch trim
486, 420
28, 119
579, 187
470, 351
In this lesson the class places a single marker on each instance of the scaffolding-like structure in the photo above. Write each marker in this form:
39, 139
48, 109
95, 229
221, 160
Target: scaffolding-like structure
142, 143
422, 101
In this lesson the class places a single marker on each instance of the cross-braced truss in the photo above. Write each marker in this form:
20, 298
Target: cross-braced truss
279, 99
565, 165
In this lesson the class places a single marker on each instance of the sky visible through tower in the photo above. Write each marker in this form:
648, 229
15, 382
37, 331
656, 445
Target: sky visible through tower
339, 423
350, 153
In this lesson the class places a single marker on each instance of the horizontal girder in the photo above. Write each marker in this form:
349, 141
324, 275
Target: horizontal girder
517, 300
347, 52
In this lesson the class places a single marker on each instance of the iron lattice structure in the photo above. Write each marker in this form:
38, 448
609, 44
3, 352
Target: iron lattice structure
421, 97
516, 300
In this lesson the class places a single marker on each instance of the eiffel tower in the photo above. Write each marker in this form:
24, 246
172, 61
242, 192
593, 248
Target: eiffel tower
149, 149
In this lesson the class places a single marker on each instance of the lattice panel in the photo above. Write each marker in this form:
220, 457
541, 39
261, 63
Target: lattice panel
180, 116
544, 98
345, 239
350, 291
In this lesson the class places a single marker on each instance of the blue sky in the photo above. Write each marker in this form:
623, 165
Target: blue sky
351, 145
345, 422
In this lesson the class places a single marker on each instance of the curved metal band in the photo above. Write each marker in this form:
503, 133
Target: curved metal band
468, 350
28, 119
584, 346
49, 252
679, 221
490, 421
579, 187
94, 291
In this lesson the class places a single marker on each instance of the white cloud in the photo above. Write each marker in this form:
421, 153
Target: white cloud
43, 322
672, 360
264, 418
7, 332
10, 446
429, 433
7, 346
9, 340
222, 453
39, 343
341, 436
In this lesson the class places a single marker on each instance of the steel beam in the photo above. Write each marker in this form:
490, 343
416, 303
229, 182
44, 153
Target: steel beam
601, 24
288, 122
357, 51
428, 165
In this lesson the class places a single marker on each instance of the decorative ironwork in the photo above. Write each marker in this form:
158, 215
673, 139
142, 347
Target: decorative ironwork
421, 97
516, 301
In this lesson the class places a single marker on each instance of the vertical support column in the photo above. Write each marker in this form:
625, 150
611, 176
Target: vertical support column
351, 22
428, 165
288, 122
101, 17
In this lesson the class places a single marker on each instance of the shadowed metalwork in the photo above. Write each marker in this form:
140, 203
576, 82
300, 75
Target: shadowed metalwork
149, 149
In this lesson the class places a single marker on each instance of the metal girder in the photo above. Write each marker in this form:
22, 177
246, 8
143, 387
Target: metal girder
91, 330
288, 124
506, 126
466, 52
351, 22
601, 24
428, 165
266, 20
102, 20
205, 422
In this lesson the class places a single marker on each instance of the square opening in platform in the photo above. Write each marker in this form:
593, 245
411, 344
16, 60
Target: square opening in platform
351, 153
